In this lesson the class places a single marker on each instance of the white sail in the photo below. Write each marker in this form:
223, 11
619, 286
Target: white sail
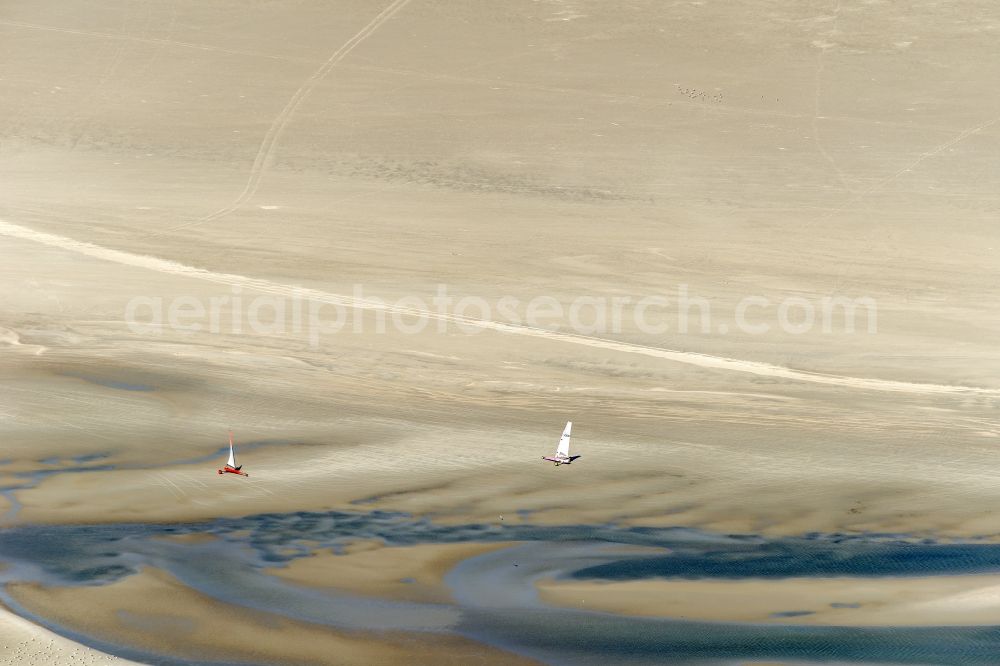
232, 454
563, 449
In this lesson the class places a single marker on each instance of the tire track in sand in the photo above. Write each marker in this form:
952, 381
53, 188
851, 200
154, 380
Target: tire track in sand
278, 125
316, 295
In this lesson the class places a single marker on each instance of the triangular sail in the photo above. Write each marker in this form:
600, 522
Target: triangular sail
232, 454
563, 449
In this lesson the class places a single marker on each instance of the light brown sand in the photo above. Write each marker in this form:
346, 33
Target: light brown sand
539, 150
559, 148
412, 573
187, 624
23, 643
935, 600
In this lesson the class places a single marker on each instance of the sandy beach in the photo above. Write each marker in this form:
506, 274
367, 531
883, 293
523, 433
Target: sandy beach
330, 168
27, 643
358, 192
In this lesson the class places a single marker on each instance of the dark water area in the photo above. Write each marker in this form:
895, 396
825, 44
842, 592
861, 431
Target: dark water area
495, 592
66, 552
111, 382
822, 556
601, 639
90, 457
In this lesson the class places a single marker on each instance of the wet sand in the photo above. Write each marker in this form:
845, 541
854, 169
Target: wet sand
409, 573
491, 589
186, 624
931, 601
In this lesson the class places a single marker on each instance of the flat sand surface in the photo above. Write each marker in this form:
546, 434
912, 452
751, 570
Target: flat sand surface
929, 601
558, 149
26, 643
543, 149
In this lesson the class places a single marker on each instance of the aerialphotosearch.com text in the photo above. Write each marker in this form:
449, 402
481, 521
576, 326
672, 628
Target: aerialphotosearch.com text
318, 314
